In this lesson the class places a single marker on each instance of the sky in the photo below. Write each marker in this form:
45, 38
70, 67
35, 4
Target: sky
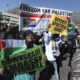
70, 5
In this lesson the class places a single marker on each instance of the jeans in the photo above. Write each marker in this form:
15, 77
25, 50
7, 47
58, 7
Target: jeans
55, 75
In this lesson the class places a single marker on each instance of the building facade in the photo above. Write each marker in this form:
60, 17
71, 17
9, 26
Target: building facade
9, 18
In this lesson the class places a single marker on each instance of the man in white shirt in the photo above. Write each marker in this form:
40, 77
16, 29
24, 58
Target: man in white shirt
52, 51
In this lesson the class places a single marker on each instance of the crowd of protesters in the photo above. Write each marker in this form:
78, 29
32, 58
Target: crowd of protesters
54, 47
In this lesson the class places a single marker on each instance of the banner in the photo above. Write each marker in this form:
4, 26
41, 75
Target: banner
26, 61
10, 47
37, 18
59, 24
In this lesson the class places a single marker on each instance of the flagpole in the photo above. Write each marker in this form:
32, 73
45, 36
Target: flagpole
20, 1
7, 6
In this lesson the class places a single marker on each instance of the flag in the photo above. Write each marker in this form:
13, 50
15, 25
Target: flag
69, 19
2, 45
10, 47
32, 23
71, 26
29, 22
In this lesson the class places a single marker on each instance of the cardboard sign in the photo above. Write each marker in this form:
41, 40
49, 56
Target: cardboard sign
59, 24
27, 61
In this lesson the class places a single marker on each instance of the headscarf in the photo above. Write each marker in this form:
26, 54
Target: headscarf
28, 44
27, 32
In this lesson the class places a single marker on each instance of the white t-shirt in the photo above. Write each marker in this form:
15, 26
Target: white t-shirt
49, 51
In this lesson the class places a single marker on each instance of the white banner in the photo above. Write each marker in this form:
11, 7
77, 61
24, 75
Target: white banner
37, 18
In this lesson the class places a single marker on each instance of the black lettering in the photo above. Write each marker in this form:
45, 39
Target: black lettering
43, 10
25, 56
39, 10
29, 55
38, 64
20, 65
9, 61
48, 11
63, 27
31, 60
33, 65
58, 29
33, 9
56, 19
60, 20
33, 53
57, 12
29, 9
53, 11
37, 51
57, 24
13, 68
14, 59
4, 63
53, 23
69, 14
7, 70
61, 13
25, 63
40, 57
37, 58
21, 57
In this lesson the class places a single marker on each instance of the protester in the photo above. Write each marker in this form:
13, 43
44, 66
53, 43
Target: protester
51, 52
78, 41
29, 43
46, 73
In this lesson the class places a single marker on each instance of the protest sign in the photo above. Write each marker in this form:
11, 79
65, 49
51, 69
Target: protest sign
37, 18
26, 61
59, 24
